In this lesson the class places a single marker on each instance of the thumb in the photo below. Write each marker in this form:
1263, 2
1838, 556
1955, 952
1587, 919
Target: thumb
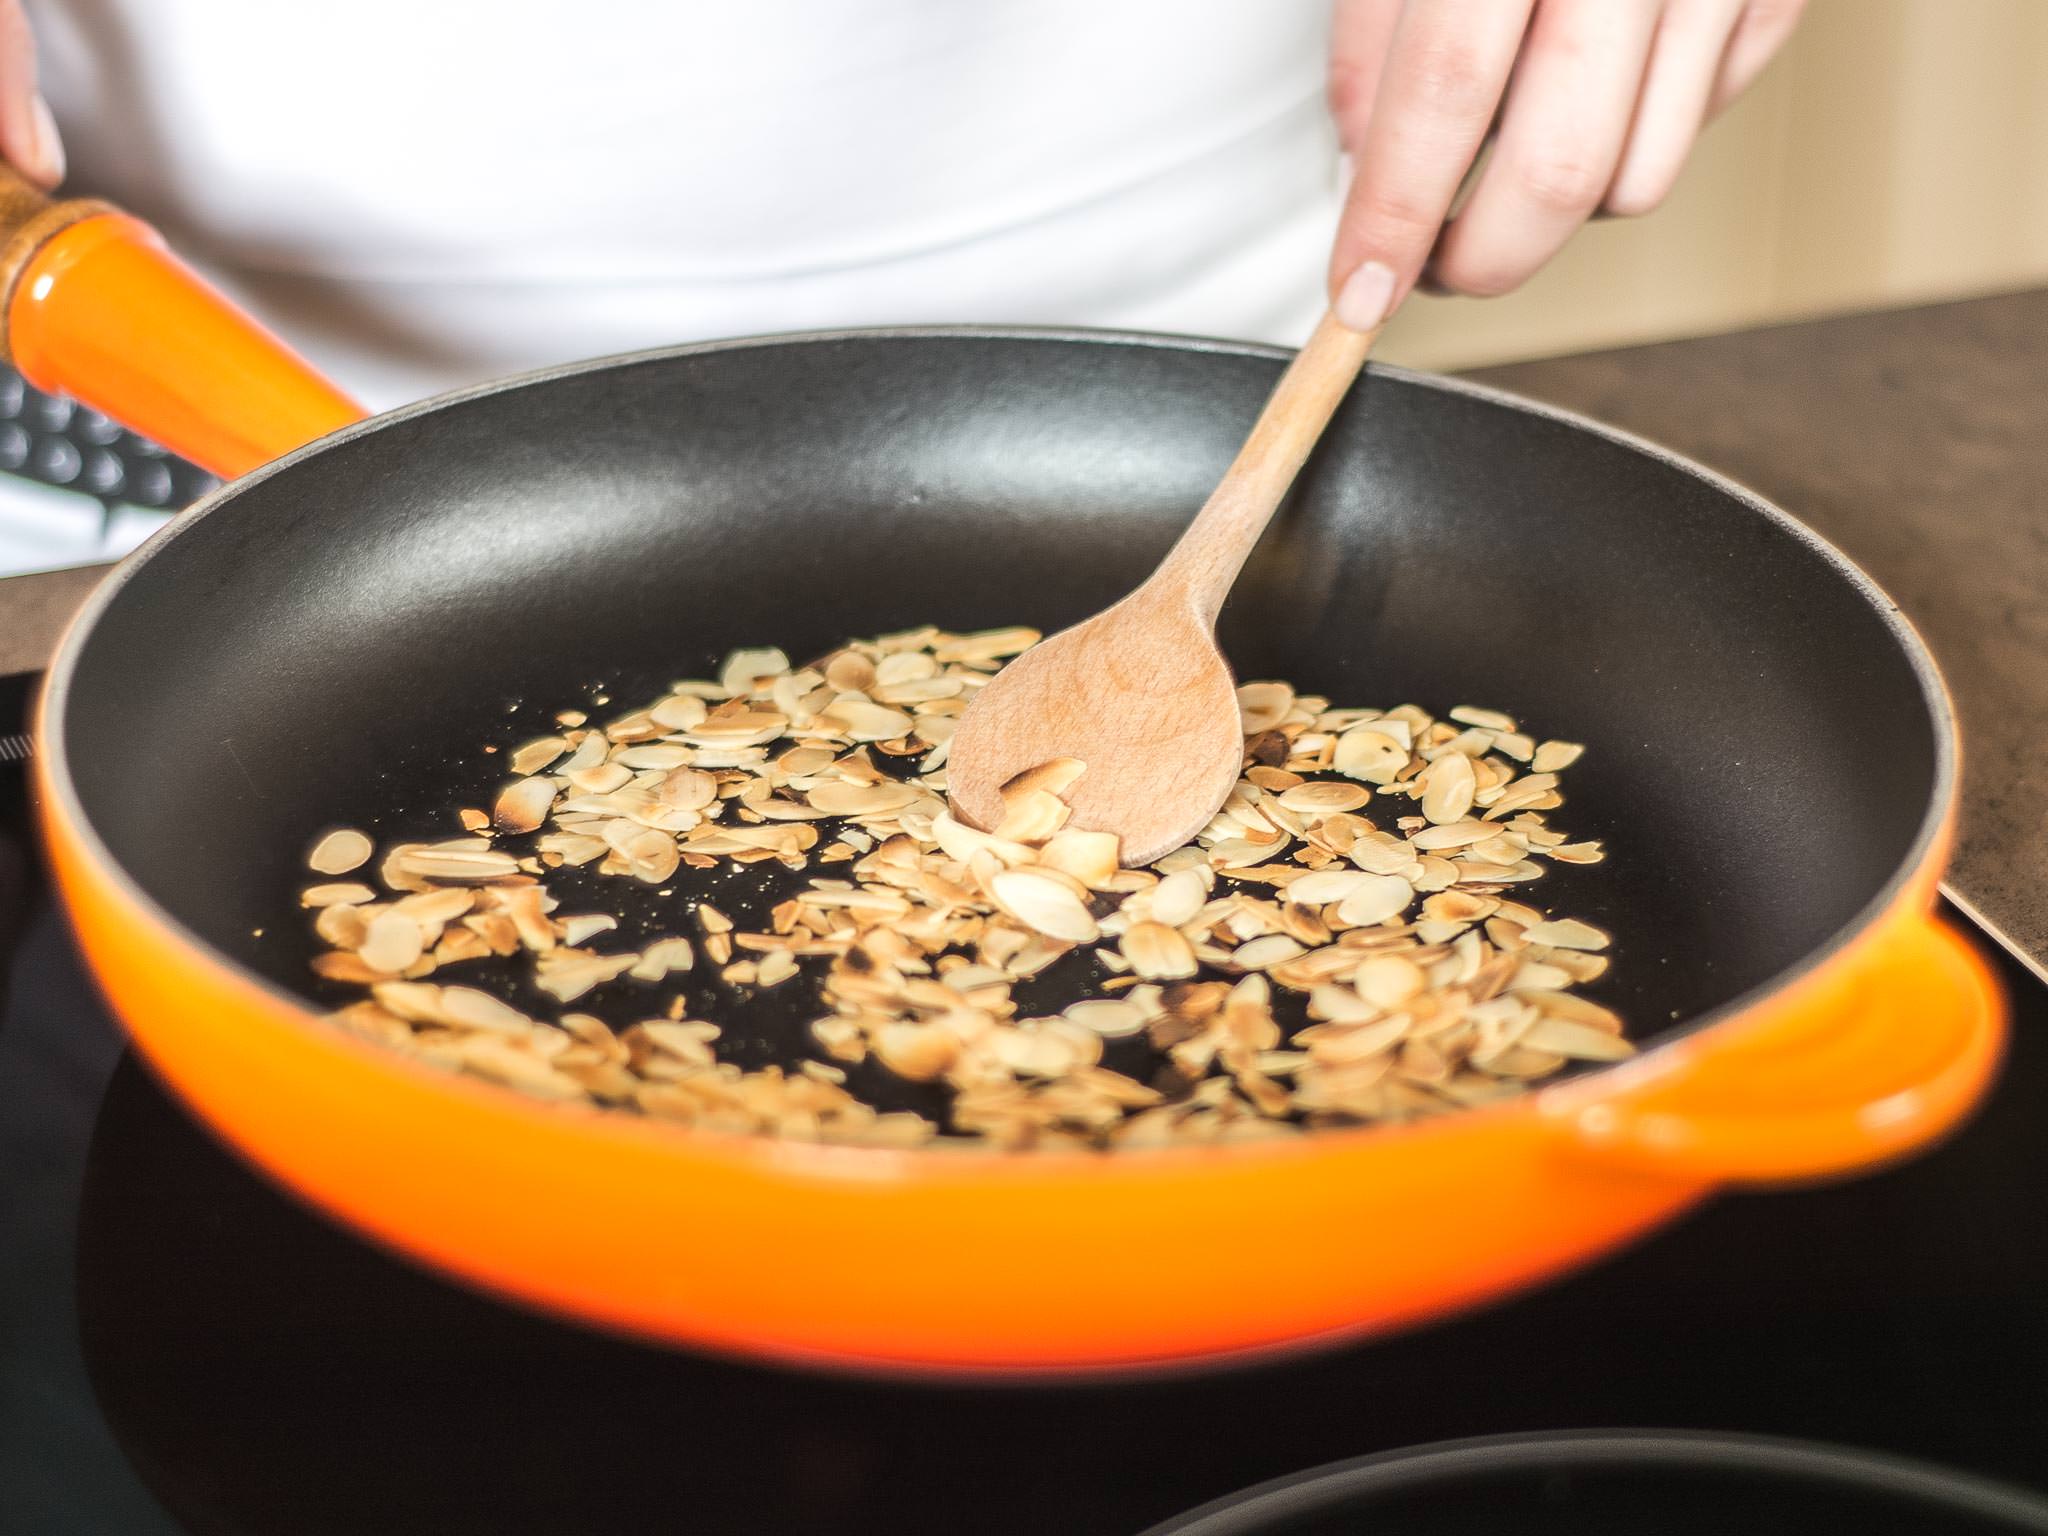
28, 133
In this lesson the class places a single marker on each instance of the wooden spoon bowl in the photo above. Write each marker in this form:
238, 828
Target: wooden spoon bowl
1140, 693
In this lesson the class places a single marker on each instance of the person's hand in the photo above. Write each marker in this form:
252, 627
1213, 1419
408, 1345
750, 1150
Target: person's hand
28, 134
1592, 105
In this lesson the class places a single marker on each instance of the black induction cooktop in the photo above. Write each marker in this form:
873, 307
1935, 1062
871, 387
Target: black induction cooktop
183, 1348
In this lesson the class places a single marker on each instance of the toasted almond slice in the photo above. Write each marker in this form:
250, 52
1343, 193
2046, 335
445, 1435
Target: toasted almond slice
1455, 906
1177, 898
1576, 853
526, 908
1535, 975
1259, 953
1568, 933
1569, 1005
986, 645
516, 1068
343, 893
1371, 753
1556, 756
919, 1052
851, 672
906, 666
414, 1001
688, 789
962, 842
391, 942
1389, 981
1031, 816
1325, 886
679, 712
660, 756
600, 778
344, 926
340, 851
1054, 776
862, 719
532, 756
459, 944
1043, 904
436, 907
1090, 857
1246, 852
1508, 848
1340, 1005
1377, 899
1485, 719
662, 957
471, 1009
1324, 798
776, 968
455, 864
1157, 952
1340, 1045
744, 671
575, 930
523, 805
842, 799
1112, 1018
1448, 784
566, 974
1457, 834
1579, 1042
1381, 853
1262, 706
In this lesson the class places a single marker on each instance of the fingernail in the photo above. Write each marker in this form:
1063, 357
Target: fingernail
49, 148
1366, 296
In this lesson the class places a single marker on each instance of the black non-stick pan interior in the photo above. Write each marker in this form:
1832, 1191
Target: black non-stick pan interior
333, 640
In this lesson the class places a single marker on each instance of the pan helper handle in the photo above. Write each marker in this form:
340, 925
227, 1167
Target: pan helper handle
1875, 1055
93, 305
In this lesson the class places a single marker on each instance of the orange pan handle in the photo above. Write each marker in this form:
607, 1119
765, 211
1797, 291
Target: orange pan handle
94, 306
1878, 1054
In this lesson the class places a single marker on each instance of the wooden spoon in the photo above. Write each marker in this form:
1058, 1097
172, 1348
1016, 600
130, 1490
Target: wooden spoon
1140, 693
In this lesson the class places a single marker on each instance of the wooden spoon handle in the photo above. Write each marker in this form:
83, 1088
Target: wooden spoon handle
1206, 559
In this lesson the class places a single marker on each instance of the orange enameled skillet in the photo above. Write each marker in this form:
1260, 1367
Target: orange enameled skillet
328, 638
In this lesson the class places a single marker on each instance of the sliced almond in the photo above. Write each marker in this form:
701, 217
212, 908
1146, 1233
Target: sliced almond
1448, 785
1368, 752
744, 671
1262, 706
344, 893
1326, 886
1044, 905
340, 851
1556, 756
1031, 815
532, 756
1568, 933
1157, 952
1379, 898
523, 805
391, 942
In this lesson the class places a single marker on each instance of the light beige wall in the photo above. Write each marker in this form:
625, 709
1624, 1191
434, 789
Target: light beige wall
1897, 152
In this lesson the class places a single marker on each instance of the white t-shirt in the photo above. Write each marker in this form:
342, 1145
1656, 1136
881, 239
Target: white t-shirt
421, 193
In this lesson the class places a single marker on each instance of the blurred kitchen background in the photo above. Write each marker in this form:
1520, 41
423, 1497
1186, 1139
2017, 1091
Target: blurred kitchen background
1873, 165
1881, 161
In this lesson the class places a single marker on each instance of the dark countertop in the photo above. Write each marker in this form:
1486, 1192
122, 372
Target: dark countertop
1913, 439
